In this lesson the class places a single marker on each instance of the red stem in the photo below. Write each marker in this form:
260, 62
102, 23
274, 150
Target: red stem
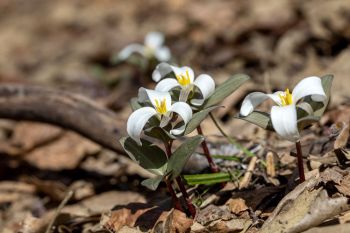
212, 165
300, 162
179, 182
176, 201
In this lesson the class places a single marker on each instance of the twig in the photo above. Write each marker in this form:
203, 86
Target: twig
58, 211
212, 165
248, 175
270, 165
300, 162
64, 109
230, 139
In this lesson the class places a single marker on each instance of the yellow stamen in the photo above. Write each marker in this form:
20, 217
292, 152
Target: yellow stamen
184, 79
161, 106
286, 98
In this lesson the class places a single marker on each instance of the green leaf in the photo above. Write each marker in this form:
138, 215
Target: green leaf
159, 133
306, 121
208, 179
135, 104
179, 158
225, 89
197, 118
258, 118
152, 183
148, 156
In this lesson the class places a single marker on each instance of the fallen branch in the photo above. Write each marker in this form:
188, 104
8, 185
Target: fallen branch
64, 109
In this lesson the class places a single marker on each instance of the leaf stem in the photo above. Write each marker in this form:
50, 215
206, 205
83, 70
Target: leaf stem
212, 165
179, 182
300, 162
230, 139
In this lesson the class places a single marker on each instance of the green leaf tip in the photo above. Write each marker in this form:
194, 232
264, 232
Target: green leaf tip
225, 89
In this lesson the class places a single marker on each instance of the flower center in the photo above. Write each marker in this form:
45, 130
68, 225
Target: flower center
149, 51
161, 106
184, 79
286, 98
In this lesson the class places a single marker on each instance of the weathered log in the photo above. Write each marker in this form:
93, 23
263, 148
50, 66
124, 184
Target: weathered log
64, 109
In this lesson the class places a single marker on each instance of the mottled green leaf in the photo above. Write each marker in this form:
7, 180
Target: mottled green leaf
197, 118
258, 118
179, 158
148, 155
306, 121
225, 89
159, 133
152, 183
135, 104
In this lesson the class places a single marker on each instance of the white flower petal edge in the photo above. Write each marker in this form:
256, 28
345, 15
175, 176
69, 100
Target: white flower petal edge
162, 54
154, 40
185, 112
284, 122
161, 70
166, 84
206, 85
137, 122
252, 100
128, 50
154, 96
182, 71
310, 86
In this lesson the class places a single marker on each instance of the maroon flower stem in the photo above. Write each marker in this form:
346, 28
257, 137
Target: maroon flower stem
176, 200
300, 162
179, 182
212, 165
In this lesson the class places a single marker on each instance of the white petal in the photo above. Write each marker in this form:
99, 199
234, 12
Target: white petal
276, 97
154, 40
161, 71
185, 112
284, 122
311, 86
137, 122
206, 85
182, 71
252, 100
166, 84
153, 96
128, 50
162, 54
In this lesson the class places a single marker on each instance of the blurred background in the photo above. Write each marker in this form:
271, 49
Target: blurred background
69, 44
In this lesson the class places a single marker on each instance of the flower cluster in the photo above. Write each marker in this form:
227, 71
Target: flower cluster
165, 104
179, 103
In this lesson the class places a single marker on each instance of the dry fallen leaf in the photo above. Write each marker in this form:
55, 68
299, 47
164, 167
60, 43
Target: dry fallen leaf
237, 205
64, 153
305, 207
28, 135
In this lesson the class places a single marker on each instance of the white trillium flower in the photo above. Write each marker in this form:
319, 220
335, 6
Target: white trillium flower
162, 108
284, 115
153, 47
185, 80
